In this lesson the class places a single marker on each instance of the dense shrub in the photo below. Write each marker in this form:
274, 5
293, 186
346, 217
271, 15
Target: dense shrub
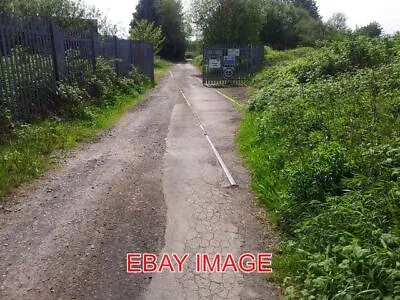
322, 136
346, 56
99, 88
69, 98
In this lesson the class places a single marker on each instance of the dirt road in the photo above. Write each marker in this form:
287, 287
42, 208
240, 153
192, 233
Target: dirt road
151, 184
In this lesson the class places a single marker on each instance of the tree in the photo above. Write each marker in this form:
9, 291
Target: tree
171, 19
145, 10
147, 31
167, 14
373, 29
69, 14
201, 12
338, 21
308, 5
287, 26
228, 21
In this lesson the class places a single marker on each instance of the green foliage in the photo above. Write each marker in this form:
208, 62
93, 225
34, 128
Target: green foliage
145, 10
287, 25
144, 30
161, 67
228, 21
198, 61
373, 29
274, 57
346, 56
194, 47
171, 19
100, 88
15, 87
189, 55
338, 21
73, 15
322, 139
30, 149
309, 5
169, 15
71, 98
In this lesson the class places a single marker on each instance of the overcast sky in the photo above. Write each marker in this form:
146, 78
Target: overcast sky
358, 12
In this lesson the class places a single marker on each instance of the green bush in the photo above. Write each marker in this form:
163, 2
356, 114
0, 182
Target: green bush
322, 137
100, 88
346, 56
68, 98
274, 57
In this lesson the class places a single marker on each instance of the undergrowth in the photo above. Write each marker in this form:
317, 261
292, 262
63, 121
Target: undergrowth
161, 66
322, 139
85, 106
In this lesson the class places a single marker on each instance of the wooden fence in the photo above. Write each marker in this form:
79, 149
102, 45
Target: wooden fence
35, 53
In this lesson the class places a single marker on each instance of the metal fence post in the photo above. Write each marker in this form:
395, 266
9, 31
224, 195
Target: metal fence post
93, 46
54, 51
116, 53
151, 63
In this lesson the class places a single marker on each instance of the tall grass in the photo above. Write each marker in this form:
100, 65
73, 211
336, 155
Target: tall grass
322, 139
161, 66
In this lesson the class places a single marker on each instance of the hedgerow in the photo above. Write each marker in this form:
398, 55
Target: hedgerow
322, 138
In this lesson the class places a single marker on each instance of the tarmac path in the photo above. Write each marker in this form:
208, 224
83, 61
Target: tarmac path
151, 184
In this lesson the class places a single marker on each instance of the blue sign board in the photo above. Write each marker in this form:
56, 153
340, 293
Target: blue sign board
229, 60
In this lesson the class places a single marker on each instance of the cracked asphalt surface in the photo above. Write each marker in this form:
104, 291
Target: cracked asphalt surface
150, 184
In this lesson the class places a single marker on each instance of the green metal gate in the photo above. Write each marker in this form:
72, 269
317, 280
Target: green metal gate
231, 64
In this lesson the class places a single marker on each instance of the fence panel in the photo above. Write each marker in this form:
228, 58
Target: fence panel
35, 53
143, 58
231, 64
124, 56
79, 56
26, 65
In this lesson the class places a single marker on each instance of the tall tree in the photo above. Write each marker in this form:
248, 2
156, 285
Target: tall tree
145, 10
308, 5
169, 15
171, 19
228, 21
338, 21
147, 31
69, 14
287, 25
373, 29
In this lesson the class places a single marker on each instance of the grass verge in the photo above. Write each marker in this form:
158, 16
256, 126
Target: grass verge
35, 147
322, 139
161, 67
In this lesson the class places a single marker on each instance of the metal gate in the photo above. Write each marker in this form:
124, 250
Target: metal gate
231, 64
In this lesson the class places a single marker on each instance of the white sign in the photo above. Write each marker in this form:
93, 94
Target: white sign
233, 52
214, 64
